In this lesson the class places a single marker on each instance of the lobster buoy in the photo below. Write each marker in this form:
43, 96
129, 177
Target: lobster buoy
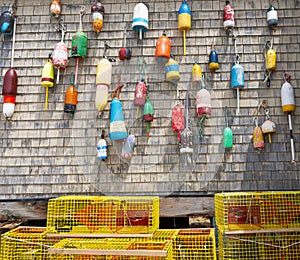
148, 115
117, 125
186, 144
10, 83
196, 73
140, 93
213, 64
237, 81
288, 106
103, 81
172, 70
163, 48
140, 22
55, 8
203, 106
268, 127
9, 91
79, 45
102, 148
272, 17
128, 147
287, 96
227, 134
178, 120
47, 78
203, 101
184, 21
271, 60
258, 139
237, 76
228, 17
227, 138
97, 16
7, 22
60, 55
124, 54
71, 97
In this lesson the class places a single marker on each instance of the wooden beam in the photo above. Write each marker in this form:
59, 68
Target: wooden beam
169, 207
262, 231
25, 210
186, 206
95, 235
64, 251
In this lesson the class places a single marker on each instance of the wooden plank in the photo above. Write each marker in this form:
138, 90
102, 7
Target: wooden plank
169, 207
261, 231
186, 206
63, 251
24, 210
93, 235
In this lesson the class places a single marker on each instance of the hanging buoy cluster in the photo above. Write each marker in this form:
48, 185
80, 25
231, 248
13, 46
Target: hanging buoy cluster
140, 24
97, 16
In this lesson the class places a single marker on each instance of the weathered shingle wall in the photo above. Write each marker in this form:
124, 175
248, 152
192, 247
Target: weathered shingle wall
45, 152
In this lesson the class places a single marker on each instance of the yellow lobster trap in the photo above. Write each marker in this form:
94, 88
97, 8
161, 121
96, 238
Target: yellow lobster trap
195, 244
94, 216
259, 244
257, 210
112, 249
25, 243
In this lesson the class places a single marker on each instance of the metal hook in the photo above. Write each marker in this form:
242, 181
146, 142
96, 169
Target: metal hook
287, 77
82, 10
255, 119
106, 46
269, 45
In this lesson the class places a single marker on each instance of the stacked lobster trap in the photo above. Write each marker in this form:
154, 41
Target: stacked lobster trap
106, 227
258, 225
